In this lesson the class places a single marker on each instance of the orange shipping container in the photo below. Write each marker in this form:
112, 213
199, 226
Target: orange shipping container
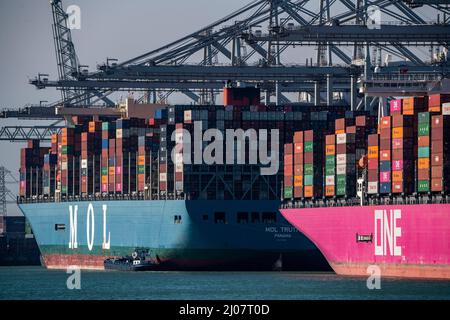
330, 150
141, 161
423, 163
329, 191
373, 152
104, 179
397, 133
298, 181
308, 191
397, 176
340, 131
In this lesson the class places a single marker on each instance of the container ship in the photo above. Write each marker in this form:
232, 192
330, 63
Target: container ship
107, 186
376, 196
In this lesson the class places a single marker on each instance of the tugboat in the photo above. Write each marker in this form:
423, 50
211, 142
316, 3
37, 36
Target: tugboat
139, 260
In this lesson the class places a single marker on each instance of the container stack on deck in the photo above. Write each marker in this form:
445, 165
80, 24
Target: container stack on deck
373, 159
345, 157
403, 154
385, 155
424, 148
330, 165
440, 151
31, 167
288, 170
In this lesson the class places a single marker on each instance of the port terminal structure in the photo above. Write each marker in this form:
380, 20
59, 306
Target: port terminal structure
253, 45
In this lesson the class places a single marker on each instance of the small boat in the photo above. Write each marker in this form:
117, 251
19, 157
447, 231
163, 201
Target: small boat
140, 260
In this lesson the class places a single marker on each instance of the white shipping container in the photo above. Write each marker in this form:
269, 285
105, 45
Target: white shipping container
372, 187
179, 167
179, 185
63, 165
341, 159
84, 164
329, 180
446, 109
341, 138
119, 134
163, 176
341, 169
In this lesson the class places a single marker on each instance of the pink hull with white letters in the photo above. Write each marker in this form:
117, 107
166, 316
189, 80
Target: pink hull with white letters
410, 241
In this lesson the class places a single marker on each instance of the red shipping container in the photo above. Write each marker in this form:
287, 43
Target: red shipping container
373, 139
308, 157
436, 184
385, 122
397, 187
330, 139
308, 135
385, 155
424, 141
436, 159
288, 148
423, 174
372, 164
298, 170
298, 192
372, 175
288, 170
436, 172
298, 137
298, 148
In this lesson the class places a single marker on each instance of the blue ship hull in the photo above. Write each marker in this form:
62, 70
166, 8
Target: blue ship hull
186, 235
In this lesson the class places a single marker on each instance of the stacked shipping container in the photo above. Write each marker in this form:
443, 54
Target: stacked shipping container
440, 153
288, 171
423, 159
402, 154
385, 155
330, 165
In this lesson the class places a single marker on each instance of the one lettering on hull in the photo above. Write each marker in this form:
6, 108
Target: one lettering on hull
387, 232
90, 227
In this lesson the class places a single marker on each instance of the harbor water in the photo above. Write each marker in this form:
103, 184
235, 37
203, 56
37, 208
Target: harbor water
17, 283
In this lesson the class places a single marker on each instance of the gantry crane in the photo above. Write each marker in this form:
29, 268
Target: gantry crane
253, 45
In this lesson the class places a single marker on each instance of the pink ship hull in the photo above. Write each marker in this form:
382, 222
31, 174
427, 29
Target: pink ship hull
402, 240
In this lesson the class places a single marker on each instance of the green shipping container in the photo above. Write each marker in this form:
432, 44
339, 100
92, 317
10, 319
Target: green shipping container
308, 180
330, 161
308, 169
341, 179
330, 171
64, 190
104, 171
340, 190
423, 186
287, 192
424, 129
424, 152
141, 169
66, 149
308, 146
105, 125
424, 117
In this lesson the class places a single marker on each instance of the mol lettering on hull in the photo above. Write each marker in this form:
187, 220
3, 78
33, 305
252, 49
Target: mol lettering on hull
402, 240
90, 227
